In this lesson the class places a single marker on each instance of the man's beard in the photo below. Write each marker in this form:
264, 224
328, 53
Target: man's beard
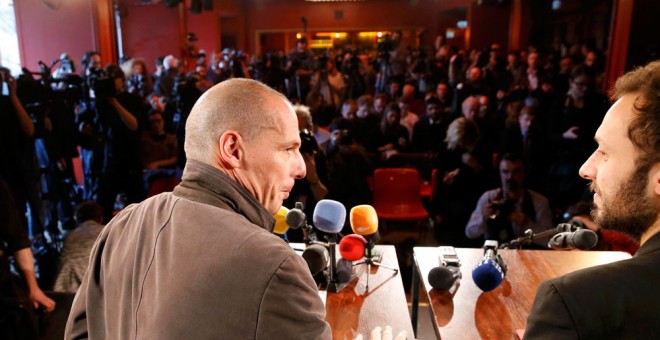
630, 210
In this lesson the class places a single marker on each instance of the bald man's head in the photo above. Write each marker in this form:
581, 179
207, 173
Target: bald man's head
242, 105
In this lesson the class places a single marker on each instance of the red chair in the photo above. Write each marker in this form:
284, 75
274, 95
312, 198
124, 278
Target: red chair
397, 195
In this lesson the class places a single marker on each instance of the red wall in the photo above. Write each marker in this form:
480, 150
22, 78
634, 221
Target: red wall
43, 34
150, 31
369, 15
489, 24
153, 30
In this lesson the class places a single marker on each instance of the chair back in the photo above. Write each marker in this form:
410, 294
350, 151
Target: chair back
396, 186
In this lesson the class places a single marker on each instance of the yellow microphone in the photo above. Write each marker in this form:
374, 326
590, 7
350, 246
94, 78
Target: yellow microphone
280, 222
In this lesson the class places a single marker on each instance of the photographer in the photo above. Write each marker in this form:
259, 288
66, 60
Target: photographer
111, 145
312, 188
328, 81
299, 67
505, 213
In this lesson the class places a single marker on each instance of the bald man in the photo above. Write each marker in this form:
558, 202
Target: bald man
202, 262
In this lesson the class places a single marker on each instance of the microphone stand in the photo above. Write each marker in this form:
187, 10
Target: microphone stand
334, 285
530, 236
371, 259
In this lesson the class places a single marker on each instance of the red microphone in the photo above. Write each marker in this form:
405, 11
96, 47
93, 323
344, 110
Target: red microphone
351, 247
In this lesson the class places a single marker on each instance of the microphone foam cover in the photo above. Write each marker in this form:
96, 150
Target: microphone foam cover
364, 220
329, 216
317, 258
295, 218
281, 226
351, 247
344, 271
487, 275
585, 239
442, 278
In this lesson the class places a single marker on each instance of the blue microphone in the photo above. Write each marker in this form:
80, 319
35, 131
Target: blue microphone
491, 270
329, 216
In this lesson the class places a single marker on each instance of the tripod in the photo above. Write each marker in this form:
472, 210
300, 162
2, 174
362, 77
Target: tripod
373, 258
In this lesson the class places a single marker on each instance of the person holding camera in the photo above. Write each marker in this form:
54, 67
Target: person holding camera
328, 81
505, 213
111, 140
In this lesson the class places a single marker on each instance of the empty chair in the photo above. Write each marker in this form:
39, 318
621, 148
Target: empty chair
397, 194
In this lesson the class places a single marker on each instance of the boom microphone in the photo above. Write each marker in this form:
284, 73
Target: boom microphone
582, 239
491, 270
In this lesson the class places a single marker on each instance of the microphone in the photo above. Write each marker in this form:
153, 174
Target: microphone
582, 239
296, 219
281, 227
444, 278
491, 270
364, 221
351, 247
317, 258
329, 216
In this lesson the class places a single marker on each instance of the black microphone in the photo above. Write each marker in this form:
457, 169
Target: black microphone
317, 258
296, 219
489, 272
445, 276
582, 239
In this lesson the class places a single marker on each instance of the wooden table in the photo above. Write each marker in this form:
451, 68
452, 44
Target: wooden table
473, 314
354, 310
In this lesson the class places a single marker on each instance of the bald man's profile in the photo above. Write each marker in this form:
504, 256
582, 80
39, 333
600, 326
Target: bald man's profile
202, 261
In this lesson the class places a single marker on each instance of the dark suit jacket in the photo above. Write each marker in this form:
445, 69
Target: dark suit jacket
620, 300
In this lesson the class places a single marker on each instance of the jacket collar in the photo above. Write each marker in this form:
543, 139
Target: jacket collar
653, 244
205, 184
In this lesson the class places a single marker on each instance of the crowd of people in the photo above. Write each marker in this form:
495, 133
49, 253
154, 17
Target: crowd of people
504, 135
358, 109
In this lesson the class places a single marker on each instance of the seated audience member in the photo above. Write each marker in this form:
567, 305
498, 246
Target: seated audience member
617, 300
505, 213
408, 118
191, 253
395, 135
159, 151
522, 137
77, 246
460, 181
348, 170
430, 132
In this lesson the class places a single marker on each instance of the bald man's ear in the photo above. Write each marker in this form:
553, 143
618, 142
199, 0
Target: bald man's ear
230, 150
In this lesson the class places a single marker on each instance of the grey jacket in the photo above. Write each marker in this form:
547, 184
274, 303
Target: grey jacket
198, 263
